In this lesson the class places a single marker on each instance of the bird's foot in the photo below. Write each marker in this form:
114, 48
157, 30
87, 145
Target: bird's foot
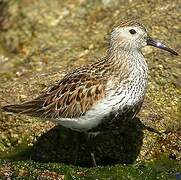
92, 135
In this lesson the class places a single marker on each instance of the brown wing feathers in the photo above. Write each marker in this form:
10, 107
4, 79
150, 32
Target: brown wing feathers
72, 97
74, 101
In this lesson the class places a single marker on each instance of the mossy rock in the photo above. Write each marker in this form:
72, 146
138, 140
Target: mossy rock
120, 145
39, 42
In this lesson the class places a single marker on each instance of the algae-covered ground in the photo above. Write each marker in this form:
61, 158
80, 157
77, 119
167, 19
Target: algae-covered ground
39, 42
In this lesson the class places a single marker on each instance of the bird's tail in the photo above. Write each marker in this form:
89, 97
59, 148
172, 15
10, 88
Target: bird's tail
32, 108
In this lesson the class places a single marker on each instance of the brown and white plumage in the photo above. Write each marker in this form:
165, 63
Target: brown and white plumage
88, 95
69, 98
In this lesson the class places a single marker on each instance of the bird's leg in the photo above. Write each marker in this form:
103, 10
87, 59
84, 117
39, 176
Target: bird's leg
151, 129
90, 139
93, 159
76, 153
114, 118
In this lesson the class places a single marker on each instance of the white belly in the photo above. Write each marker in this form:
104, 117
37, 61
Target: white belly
128, 93
113, 102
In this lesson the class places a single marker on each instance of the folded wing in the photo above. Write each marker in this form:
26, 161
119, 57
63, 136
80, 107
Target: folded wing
72, 97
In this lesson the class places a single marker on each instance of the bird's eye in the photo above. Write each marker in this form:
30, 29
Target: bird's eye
132, 31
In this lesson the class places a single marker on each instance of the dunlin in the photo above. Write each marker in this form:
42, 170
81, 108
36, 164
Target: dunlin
88, 95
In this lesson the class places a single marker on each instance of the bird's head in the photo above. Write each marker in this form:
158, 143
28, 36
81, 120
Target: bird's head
132, 35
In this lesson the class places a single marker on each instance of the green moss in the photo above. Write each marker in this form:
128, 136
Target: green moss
162, 169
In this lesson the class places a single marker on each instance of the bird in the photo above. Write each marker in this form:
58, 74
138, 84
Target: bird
114, 85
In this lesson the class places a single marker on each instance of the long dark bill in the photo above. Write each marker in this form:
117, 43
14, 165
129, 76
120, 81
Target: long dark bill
160, 45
